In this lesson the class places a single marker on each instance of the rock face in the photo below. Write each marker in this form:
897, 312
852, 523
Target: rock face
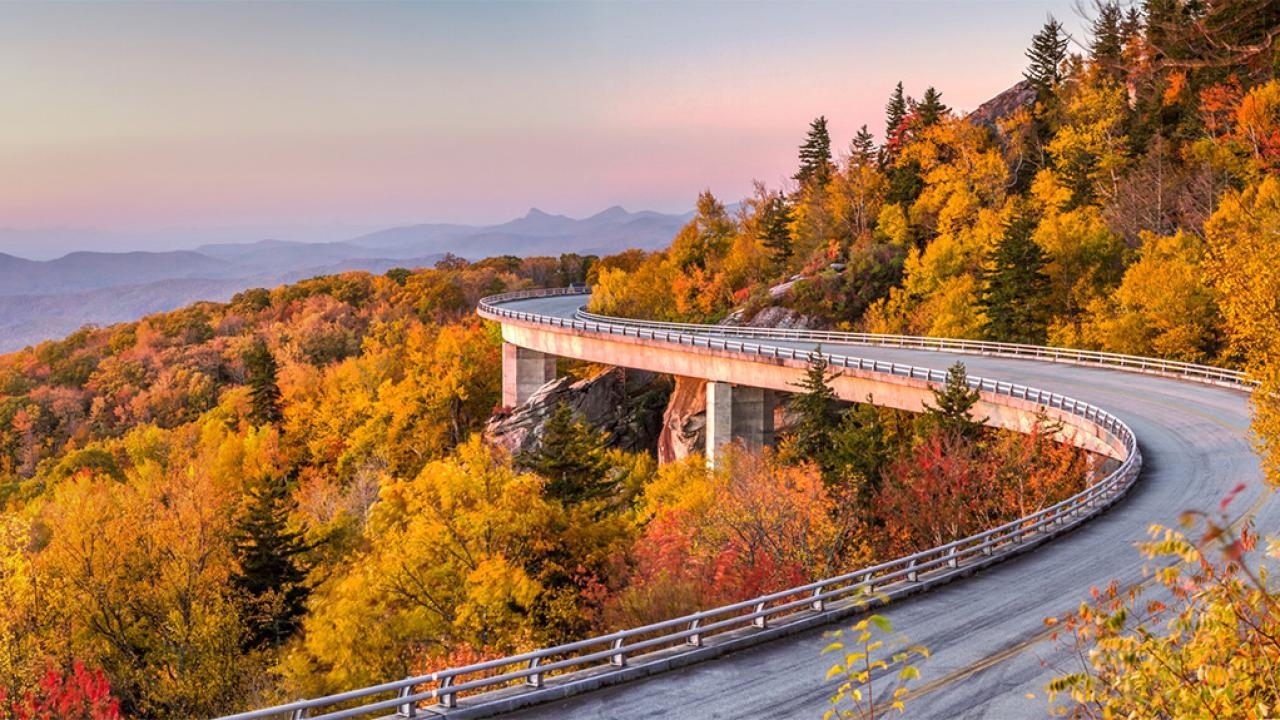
1021, 95
620, 401
684, 424
781, 318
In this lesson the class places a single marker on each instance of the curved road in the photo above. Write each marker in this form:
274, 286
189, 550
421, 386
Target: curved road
986, 633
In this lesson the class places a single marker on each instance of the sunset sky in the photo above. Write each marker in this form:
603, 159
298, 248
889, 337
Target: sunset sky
136, 117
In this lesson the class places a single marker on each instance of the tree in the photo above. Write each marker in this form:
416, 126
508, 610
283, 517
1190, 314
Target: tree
1015, 286
895, 112
1241, 267
750, 526
815, 156
1163, 307
862, 446
261, 369
953, 409
816, 415
931, 108
571, 456
1106, 49
269, 571
774, 227
862, 149
80, 694
1047, 52
1205, 647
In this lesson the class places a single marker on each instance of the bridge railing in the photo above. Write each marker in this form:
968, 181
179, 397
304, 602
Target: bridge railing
1132, 363
829, 598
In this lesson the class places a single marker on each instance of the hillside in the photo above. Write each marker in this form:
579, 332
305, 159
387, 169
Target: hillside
41, 300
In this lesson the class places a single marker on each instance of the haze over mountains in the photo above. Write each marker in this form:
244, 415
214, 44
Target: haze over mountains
44, 299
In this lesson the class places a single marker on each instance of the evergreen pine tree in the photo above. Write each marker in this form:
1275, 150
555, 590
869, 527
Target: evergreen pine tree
953, 405
817, 417
1131, 28
269, 573
571, 457
862, 149
1048, 51
861, 450
931, 109
894, 112
815, 156
1014, 284
1107, 47
774, 228
264, 393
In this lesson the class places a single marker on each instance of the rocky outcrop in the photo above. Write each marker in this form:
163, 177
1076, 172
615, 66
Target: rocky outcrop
782, 318
991, 112
684, 424
620, 401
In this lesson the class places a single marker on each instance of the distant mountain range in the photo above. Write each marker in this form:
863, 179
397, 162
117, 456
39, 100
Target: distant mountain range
43, 299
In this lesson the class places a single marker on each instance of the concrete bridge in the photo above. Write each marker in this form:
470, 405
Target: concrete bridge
1185, 427
743, 380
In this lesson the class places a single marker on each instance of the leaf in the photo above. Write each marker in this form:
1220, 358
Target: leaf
882, 622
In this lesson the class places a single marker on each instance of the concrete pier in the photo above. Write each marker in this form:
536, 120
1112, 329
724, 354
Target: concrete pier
523, 372
738, 412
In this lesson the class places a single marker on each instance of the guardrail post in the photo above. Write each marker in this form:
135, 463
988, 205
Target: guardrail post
620, 659
760, 621
447, 699
299, 714
695, 639
952, 559
912, 575
409, 709
534, 680
818, 603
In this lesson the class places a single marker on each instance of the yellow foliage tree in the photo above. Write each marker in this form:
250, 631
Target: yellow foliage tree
1243, 235
1163, 307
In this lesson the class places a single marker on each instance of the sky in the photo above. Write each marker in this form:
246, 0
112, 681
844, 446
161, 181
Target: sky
163, 123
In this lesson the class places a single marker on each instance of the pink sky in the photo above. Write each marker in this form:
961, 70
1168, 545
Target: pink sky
144, 116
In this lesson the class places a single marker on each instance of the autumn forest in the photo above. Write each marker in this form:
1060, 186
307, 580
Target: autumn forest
294, 493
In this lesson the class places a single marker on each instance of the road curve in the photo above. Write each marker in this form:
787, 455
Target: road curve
989, 644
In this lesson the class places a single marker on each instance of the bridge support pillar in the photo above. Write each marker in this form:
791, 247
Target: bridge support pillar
738, 412
523, 372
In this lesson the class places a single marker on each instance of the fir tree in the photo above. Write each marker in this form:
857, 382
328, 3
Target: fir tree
861, 450
894, 113
1048, 51
1107, 47
1014, 284
571, 457
264, 393
817, 417
269, 573
1131, 28
931, 109
952, 410
862, 149
815, 156
774, 228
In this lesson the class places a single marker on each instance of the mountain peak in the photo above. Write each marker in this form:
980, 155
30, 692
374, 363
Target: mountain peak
617, 211
535, 213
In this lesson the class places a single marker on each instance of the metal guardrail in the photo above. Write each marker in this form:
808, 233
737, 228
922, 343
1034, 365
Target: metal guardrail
1130, 363
401, 698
